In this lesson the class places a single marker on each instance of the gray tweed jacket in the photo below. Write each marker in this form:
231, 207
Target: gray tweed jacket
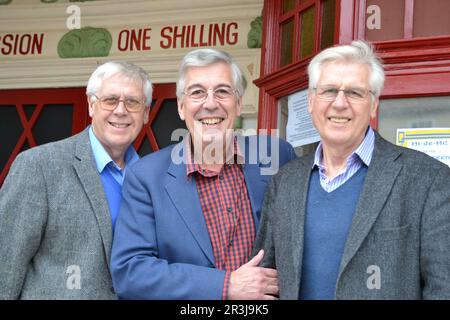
55, 227
401, 226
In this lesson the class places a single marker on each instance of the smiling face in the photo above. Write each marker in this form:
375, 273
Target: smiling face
118, 128
210, 117
342, 124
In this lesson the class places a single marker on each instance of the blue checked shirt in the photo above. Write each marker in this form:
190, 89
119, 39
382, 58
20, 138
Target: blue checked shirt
361, 156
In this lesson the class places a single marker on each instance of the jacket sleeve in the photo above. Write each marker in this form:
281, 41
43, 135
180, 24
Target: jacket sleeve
290, 152
435, 239
264, 236
23, 212
138, 271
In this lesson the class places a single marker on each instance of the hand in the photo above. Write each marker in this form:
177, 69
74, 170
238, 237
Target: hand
251, 282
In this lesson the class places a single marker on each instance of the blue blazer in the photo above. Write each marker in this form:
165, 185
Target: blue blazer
161, 247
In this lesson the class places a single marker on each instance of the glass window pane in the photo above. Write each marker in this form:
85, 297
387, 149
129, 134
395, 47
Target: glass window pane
10, 131
431, 18
145, 148
307, 33
328, 15
167, 120
283, 115
288, 5
385, 20
429, 112
29, 109
287, 42
54, 123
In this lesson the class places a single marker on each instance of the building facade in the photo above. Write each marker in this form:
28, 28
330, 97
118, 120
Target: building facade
48, 48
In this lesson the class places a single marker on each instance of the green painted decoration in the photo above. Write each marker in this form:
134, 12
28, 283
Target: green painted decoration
254, 35
52, 1
85, 42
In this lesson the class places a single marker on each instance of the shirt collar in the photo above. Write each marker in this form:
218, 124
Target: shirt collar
102, 158
191, 166
364, 151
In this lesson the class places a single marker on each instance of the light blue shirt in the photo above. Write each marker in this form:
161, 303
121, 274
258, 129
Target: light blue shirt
104, 161
362, 155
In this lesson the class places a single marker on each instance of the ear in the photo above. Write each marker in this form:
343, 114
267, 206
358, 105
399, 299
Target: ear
239, 107
310, 100
181, 109
146, 114
374, 108
91, 107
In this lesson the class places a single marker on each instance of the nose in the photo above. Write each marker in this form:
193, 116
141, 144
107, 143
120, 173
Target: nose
210, 102
341, 100
120, 109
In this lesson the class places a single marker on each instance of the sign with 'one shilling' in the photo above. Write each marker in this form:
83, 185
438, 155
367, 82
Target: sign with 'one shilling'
74, 35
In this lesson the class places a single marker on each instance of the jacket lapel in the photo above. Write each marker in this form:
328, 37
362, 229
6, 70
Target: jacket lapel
379, 181
84, 165
300, 185
183, 193
255, 158
256, 184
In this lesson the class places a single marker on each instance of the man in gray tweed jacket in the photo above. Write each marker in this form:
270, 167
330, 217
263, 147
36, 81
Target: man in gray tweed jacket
361, 218
59, 201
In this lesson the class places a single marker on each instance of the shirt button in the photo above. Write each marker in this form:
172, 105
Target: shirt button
229, 209
221, 176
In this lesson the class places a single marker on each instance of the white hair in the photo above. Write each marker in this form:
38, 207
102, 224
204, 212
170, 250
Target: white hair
125, 69
207, 57
358, 52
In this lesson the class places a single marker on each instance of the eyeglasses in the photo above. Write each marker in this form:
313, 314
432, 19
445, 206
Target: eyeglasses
201, 94
111, 103
352, 94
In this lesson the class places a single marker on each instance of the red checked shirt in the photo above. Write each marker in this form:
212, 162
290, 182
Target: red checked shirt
227, 211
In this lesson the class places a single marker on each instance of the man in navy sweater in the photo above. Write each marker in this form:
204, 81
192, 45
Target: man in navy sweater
360, 218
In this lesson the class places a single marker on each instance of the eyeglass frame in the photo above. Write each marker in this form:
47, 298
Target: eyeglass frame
232, 91
141, 103
345, 95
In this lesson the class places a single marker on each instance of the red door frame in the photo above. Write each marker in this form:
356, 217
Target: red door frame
77, 98
162, 91
276, 82
415, 67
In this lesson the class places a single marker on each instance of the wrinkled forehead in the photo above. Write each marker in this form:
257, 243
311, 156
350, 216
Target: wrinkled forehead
212, 75
344, 73
122, 77
120, 81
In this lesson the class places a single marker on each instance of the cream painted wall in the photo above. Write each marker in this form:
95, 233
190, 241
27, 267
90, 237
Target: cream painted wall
48, 70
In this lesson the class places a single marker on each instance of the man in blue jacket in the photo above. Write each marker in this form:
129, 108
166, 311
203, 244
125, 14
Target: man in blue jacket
190, 211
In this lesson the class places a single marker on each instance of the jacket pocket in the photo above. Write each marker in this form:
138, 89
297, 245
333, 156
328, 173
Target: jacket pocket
389, 234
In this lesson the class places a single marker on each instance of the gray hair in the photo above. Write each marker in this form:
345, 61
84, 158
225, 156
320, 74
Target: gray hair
359, 52
207, 57
126, 69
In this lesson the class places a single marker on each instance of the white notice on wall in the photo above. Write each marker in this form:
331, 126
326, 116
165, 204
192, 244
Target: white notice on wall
300, 129
433, 141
